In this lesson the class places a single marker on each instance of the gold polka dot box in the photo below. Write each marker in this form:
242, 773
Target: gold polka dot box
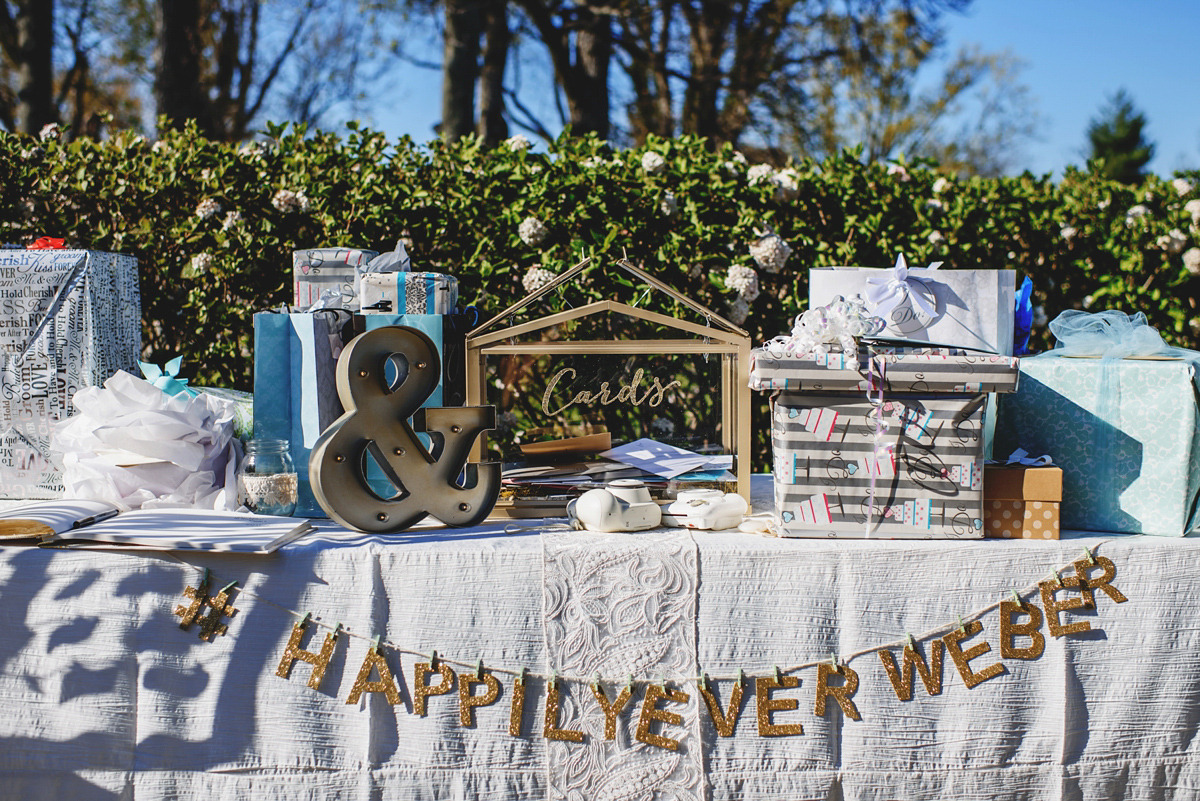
1021, 502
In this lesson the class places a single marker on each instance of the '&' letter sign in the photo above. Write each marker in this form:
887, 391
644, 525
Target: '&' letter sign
376, 420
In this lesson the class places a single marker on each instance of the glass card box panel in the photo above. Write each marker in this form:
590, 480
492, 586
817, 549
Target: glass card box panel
548, 397
570, 384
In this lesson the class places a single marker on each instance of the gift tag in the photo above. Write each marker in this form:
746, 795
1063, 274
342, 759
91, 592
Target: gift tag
908, 317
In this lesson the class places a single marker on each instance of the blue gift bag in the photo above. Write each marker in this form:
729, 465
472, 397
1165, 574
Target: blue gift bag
295, 386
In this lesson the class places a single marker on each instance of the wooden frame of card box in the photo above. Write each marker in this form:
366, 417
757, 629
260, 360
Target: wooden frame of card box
719, 338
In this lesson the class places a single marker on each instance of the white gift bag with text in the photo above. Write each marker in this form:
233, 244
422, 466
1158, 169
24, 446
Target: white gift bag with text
960, 308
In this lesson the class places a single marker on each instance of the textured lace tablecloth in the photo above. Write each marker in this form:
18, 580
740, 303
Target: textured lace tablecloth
104, 697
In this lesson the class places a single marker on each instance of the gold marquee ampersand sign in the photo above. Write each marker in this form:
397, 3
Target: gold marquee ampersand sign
376, 421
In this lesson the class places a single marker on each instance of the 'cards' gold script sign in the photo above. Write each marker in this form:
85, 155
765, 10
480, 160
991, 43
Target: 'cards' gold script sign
632, 393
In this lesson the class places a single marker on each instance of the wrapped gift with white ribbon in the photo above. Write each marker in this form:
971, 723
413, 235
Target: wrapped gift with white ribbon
958, 308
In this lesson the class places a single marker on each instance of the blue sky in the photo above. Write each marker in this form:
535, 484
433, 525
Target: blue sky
1077, 53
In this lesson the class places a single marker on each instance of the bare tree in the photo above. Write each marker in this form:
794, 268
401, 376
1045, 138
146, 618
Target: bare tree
579, 41
27, 40
224, 63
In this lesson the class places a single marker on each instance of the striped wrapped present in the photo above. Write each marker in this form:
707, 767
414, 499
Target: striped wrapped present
908, 468
409, 293
919, 369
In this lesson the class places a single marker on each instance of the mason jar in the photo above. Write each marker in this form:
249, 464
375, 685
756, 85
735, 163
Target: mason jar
267, 478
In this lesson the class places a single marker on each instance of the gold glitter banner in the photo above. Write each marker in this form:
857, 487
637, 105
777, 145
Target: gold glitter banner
1019, 635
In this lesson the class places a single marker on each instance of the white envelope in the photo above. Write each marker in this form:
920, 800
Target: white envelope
963, 308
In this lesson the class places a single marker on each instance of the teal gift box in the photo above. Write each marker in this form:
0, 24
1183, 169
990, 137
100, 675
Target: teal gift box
1126, 433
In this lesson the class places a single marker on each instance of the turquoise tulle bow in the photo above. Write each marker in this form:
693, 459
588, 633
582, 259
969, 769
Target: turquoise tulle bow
165, 377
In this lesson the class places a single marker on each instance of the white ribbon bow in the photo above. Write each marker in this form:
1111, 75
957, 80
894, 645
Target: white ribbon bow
888, 293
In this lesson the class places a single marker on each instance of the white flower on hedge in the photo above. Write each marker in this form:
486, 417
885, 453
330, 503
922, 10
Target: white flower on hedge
759, 173
653, 163
940, 185
935, 205
899, 171
1135, 213
1192, 207
160, 146
536, 278
1191, 260
1068, 232
201, 263
49, 131
936, 238
288, 201
662, 427
1194, 324
518, 143
592, 163
532, 231
1104, 204
743, 280
1148, 197
787, 184
1173, 241
1182, 186
770, 252
668, 206
207, 208
1088, 300
232, 218
1039, 317
739, 157
739, 310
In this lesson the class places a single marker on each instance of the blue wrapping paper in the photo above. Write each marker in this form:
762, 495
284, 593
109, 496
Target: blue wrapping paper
1117, 409
295, 388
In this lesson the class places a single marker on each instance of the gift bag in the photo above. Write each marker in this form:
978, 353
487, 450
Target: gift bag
69, 319
958, 308
295, 385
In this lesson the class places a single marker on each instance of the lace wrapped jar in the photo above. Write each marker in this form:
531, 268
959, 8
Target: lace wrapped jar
267, 478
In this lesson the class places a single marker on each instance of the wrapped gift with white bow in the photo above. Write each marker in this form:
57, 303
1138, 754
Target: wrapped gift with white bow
950, 307
874, 440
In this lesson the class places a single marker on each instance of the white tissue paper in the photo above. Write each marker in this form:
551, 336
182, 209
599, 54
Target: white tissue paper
131, 444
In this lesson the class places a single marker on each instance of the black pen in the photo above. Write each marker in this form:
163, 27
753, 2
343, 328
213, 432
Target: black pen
87, 521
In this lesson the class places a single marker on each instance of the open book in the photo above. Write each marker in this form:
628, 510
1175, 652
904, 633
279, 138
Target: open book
97, 524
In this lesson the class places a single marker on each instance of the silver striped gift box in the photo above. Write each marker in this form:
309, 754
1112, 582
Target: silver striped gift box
925, 455
917, 369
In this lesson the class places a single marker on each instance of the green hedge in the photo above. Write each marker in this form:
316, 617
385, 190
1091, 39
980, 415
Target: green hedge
1081, 239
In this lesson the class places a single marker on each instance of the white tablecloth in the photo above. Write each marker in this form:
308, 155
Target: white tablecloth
105, 697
